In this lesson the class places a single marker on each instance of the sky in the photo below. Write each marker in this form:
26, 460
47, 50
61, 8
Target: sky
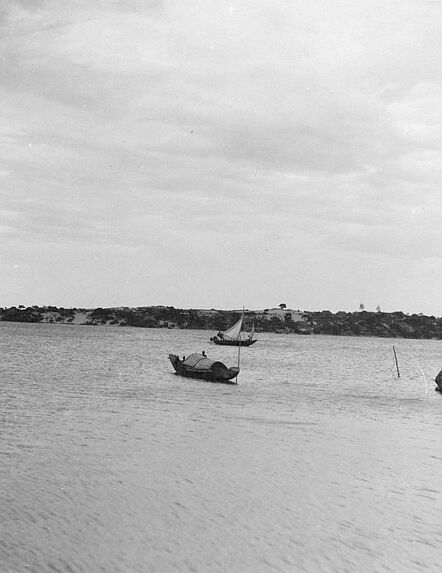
210, 154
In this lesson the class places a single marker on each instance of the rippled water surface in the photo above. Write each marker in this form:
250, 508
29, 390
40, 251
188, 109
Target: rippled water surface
320, 459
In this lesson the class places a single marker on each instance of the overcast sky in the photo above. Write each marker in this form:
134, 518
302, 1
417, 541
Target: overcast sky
221, 153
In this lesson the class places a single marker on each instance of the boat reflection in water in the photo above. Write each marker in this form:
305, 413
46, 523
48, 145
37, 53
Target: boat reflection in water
199, 366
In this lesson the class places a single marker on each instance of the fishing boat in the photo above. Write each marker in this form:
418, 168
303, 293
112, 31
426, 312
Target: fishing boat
438, 381
233, 335
199, 366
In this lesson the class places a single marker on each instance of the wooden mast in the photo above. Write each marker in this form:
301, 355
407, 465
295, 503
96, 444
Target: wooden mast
239, 345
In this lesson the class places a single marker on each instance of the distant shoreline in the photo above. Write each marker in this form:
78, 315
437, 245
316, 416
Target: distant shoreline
279, 319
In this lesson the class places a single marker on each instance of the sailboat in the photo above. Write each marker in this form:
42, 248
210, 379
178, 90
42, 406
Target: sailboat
232, 336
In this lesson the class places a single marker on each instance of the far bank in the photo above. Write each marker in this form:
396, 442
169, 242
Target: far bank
279, 319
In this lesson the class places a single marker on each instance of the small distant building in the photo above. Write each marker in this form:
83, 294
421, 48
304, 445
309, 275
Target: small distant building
283, 314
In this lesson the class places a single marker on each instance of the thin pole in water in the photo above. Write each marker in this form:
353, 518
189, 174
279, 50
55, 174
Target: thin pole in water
239, 345
397, 365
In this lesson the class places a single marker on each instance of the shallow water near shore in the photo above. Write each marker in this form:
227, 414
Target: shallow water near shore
320, 459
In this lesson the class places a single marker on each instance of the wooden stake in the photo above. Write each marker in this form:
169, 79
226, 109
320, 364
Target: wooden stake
397, 365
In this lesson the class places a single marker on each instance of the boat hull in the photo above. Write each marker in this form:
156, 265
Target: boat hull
438, 381
225, 342
221, 376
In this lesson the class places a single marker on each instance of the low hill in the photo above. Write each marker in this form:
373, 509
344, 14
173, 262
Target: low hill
283, 320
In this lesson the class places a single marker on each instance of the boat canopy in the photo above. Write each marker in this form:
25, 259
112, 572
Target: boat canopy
200, 362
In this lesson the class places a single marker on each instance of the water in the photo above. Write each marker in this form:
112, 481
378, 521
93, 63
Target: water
320, 459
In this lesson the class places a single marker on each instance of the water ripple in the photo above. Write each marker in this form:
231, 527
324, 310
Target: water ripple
318, 460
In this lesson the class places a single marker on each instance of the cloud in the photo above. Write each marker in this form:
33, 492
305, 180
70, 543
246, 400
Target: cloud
223, 128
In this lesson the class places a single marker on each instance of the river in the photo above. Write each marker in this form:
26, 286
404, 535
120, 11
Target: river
319, 460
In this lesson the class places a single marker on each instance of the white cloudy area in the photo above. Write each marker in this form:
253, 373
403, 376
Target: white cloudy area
220, 154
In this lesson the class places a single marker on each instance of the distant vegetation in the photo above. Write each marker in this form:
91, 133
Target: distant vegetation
280, 319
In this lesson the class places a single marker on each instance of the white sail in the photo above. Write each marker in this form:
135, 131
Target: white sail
252, 332
234, 331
